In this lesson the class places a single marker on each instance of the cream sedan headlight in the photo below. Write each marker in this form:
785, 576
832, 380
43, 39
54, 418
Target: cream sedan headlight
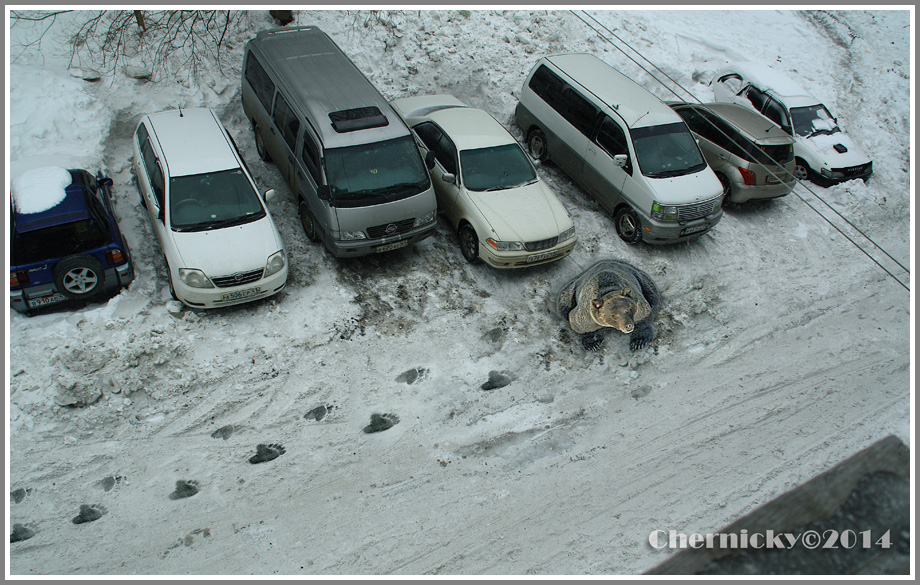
194, 278
505, 246
275, 263
567, 234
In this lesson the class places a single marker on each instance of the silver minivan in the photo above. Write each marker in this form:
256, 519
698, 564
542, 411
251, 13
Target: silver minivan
623, 145
360, 181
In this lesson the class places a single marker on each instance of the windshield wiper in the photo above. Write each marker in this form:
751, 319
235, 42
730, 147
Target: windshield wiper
219, 223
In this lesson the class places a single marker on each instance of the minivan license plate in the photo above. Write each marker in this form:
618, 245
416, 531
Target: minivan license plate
39, 302
393, 246
241, 294
694, 229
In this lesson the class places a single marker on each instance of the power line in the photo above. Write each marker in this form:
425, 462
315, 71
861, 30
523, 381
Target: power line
699, 103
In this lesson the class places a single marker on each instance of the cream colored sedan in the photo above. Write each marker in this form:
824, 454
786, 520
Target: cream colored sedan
504, 214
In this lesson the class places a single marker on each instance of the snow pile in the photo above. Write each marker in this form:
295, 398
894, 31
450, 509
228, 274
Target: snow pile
40, 189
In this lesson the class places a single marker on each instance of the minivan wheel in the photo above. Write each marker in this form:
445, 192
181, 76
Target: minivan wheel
536, 143
79, 276
469, 243
628, 226
260, 143
726, 189
308, 222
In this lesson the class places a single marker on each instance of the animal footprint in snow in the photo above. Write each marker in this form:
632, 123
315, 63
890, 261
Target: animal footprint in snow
223, 432
381, 422
267, 452
498, 380
21, 532
318, 413
412, 376
184, 489
89, 514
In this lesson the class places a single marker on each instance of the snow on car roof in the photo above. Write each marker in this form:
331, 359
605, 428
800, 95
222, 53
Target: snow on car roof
770, 79
40, 189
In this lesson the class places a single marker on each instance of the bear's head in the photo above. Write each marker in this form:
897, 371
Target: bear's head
621, 310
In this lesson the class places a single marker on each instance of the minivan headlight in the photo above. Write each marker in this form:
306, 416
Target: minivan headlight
275, 263
352, 235
505, 246
194, 278
567, 234
425, 219
664, 212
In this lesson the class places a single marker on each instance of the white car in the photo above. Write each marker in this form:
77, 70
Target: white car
221, 245
823, 153
487, 187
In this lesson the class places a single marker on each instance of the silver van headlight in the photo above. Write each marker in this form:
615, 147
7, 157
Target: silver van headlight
352, 235
664, 212
274, 264
425, 219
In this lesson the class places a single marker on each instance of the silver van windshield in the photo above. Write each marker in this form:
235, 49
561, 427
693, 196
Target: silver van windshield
667, 150
391, 169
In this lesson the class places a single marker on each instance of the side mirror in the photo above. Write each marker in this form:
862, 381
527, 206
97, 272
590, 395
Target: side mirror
449, 178
268, 195
323, 192
161, 215
620, 160
105, 181
429, 160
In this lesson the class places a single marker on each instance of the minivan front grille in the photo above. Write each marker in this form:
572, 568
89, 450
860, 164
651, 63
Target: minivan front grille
541, 245
237, 279
390, 229
696, 210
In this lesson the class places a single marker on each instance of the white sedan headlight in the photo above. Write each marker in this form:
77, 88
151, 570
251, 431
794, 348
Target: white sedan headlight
275, 263
194, 278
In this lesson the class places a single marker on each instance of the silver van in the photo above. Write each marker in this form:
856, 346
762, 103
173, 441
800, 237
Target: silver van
623, 145
346, 154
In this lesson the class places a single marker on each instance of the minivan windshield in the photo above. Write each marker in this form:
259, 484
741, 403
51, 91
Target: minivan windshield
813, 120
375, 173
667, 150
496, 168
212, 201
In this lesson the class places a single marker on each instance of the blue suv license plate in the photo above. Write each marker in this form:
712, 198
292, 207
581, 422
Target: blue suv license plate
46, 300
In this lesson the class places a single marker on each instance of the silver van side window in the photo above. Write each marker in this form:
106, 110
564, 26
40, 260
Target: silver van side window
611, 138
260, 81
286, 121
310, 157
560, 96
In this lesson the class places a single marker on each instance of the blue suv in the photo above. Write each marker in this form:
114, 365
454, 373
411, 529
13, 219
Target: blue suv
64, 239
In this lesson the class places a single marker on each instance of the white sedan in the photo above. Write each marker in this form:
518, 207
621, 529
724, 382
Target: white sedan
487, 187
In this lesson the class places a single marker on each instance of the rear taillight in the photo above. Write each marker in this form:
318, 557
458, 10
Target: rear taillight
114, 256
749, 177
18, 278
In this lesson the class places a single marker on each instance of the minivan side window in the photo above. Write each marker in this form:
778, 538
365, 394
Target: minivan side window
310, 156
260, 81
153, 168
560, 96
286, 121
611, 138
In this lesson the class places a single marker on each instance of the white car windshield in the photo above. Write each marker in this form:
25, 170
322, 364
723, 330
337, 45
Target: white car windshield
812, 120
212, 201
496, 168
667, 150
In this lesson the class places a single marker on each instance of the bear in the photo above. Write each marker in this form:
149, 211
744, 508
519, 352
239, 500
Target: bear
611, 294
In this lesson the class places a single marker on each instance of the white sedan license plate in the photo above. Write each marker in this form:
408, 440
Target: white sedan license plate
393, 246
543, 256
694, 229
39, 302
241, 294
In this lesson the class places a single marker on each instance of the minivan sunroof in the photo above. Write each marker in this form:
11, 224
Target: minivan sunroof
357, 119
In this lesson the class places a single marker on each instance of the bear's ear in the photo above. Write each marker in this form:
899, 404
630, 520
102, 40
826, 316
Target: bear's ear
626, 292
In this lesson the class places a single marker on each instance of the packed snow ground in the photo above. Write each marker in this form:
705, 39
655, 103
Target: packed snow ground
782, 349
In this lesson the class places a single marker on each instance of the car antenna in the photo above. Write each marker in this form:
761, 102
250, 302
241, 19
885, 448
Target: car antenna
180, 111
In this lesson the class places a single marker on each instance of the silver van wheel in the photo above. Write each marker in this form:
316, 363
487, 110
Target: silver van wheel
260, 143
308, 222
628, 226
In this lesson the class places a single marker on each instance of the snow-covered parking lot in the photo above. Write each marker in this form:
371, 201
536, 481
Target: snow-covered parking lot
782, 348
